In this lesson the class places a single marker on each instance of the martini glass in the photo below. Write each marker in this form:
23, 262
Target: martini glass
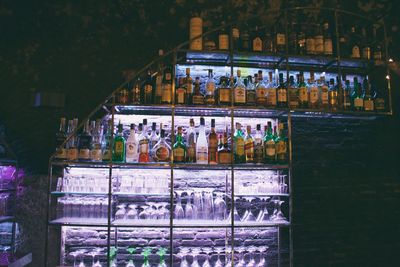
263, 215
207, 251
195, 253
228, 257
74, 254
242, 262
146, 252
113, 257
248, 215
161, 252
93, 253
183, 252
252, 262
218, 263
262, 262
278, 214
130, 250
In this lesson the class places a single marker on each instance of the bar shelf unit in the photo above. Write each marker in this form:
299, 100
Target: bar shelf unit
75, 238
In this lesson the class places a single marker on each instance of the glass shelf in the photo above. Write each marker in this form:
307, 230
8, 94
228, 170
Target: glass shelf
79, 221
58, 193
6, 218
5, 161
6, 190
263, 195
141, 194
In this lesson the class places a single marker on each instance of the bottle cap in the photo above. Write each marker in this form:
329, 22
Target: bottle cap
258, 127
213, 123
144, 122
202, 121
140, 126
153, 126
132, 126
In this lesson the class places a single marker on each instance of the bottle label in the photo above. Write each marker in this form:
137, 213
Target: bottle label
180, 95
224, 157
314, 95
240, 95
310, 46
257, 44
61, 153
84, 153
319, 44
148, 89
368, 105
162, 154
239, 147
210, 88
158, 92
377, 55
355, 52
358, 102
333, 98
282, 95
168, 76
380, 103
303, 95
271, 97
223, 41
235, 33
95, 154
72, 154
123, 96
224, 95
366, 52
328, 47
166, 93
196, 29
249, 150
212, 155
119, 147
143, 150
198, 99
293, 97
131, 151
106, 154
280, 39
201, 154
270, 149
260, 94
191, 152
258, 151
250, 96
324, 95
281, 147
189, 88
179, 154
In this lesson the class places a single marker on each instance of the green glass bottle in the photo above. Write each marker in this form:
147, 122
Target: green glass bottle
179, 148
238, 137
356, 97
269, 145
118, 154
281, 145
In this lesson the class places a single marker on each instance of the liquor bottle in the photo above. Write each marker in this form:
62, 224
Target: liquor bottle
377, 48
209, 42
145, 128
235, 38
61, 151
239, 91
72, 148
159, 79
268, 43
106, 142
282, 93
333, 95
179, 148
191, 143
166, 95
269, 145
260, 90
343, 43
249, 145
367, 96
245, 40
143, 144
328, 46
123, 96
258, 145
301, 42
224, 153
212, 145
201, 144
148, 89
293, 93
196, 29
270, 92
135, 92
162, 150
379, 101
310, 43
96, 152
188, 85
257, 43
354, 44
319, 41
223, 39
198, 98
366, 47
180, 93
238, 138
292, 39
85, 140
281, 145
153, 138
313, 92
346, 96
210, 89
118, 154
250, 92
224, 91
303, 93
356, 96
132, 151
280, 41
324, 93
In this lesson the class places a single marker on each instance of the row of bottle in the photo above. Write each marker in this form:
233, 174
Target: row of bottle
144, 146
303, 39
257, 91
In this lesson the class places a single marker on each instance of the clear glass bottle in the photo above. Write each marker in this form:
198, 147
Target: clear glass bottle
154, 137
261, 90
118, 154
96, 153
250, 92
201, 144
258, 145
132, 150
143, 140
191, 142
212, 145
210, 89
179, 148
84, 144
162, 150
238, 141
249, 145
239, 91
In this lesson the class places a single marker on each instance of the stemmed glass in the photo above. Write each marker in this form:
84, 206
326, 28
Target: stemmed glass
242, 262
130, 250
218, 263
94, 253
161, 252
219, 208
144, 214
282, 184
74, 254
178, 212
183, 252
248, 215
197, 205
120, 214
82, 254
263, 215
146, 252
163, 212
189, 212
207, 251
113, 257
132, 212
228, 256
195, 253
262, 262
252, 262
278, 214
208, 208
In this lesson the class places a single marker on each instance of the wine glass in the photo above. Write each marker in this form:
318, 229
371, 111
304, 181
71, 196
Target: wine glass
228, 257
197, 205
179, 214
242, 262
82, 255
130, 250
248, 215
218, 263
208, 205
183, 252
219, 208
163, 212
146, 252
189, 213
93, 253
207, 251
278, 214
262, 262
121, 211
161, 252
263, 215
195, 253
75, 254
236, 216
132, 212
145, 213
252, 262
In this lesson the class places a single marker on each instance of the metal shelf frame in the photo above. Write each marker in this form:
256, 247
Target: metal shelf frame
230, 59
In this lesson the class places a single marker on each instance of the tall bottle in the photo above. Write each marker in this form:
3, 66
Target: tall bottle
210, 89
159, 79
212, 145
239, 91
366, 45
328, 47
143, 145
245, 40
379, 101
354, 43
319, 41
132, 146
148, 89
313, 92
191, 142
301, 42
61, 151
310, 43
166, 95
324, 93
258, 145
249, 145
224, 91
179, 148
368, 96
333, 95
72, 146
282, 93
346, 96
303, 93
96, 152
250, 92
223, 39
293, 93
196, 29
118, 154
377, 47
162, 151
356, 96
106, 142
153, 138
188, 85
198, 98
201, 145
257, 43
271, 92
261, 90
224, 153
85, 140
280, 40
235, 38
135, 92
269, 145
238, 141
281, 145
180, 92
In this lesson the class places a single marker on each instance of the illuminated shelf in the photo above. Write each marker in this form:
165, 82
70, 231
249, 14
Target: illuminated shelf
7, 161
123, 194
79, 222
256, 195
58, 193
6, 190
6, 218
339, 114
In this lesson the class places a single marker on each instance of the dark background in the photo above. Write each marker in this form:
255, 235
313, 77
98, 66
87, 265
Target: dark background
346, 187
